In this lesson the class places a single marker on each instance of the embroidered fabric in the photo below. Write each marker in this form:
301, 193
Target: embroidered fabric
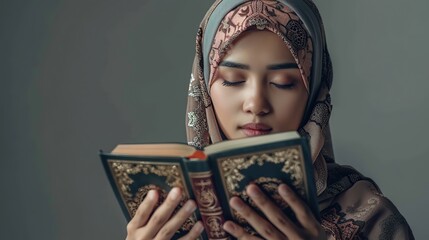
296, 35
334, 221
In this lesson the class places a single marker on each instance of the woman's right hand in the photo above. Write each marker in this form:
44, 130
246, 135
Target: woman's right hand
161, 224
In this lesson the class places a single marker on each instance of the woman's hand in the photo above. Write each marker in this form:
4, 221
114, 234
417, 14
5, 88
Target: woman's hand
278, 225
161, 224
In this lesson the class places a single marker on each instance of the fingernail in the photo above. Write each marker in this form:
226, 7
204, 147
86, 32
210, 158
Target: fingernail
174, 194
229, 227
253, 191
190, 206
150, 195
236, 203
283, 189
199, 227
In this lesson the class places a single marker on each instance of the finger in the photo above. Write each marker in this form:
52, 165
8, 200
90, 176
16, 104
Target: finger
301, 210
260, 224
274, 214
237, 231
143, 211
168, 230
162, 214
195, 232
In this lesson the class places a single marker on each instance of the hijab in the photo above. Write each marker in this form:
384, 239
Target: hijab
299, 25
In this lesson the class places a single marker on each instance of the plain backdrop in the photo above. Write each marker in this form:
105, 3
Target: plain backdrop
78, 76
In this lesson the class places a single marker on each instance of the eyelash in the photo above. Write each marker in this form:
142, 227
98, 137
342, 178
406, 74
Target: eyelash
280, 86
230, 84
284, 86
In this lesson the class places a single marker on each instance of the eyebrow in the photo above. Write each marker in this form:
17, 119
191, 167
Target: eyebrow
282, 66
269, 67
234, 65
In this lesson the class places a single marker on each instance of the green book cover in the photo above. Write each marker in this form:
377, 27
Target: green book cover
212, 176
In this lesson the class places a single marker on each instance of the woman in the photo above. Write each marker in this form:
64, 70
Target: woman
263, 67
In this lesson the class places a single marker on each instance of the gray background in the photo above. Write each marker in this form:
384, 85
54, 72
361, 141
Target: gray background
82, 75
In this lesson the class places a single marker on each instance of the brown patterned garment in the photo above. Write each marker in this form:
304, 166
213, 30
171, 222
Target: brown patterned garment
352, 206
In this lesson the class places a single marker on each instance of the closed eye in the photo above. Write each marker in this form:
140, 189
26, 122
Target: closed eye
231, 84
284, 86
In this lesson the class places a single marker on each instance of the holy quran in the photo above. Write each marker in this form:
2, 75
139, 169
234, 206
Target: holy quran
212, 176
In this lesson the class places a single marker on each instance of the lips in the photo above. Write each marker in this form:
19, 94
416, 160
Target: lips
255, 129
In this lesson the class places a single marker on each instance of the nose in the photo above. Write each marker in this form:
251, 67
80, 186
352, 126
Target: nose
256, 101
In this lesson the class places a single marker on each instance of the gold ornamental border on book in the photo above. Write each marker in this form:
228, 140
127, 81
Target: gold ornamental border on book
122, 171
289, 158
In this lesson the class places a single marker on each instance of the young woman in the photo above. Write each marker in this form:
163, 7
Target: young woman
262, 67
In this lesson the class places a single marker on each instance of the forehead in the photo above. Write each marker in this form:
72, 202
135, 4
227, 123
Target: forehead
259, 46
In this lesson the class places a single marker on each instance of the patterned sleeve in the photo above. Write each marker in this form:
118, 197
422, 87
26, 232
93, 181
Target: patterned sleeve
362, 212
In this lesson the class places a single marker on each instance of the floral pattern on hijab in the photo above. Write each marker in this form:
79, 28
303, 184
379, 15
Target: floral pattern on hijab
272, 16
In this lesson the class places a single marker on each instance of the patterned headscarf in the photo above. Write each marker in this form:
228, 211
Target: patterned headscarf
298, 24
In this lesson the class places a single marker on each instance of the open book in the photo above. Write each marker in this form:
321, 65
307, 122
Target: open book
213, 175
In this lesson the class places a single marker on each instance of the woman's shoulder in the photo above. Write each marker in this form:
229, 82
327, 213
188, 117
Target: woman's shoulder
356, 208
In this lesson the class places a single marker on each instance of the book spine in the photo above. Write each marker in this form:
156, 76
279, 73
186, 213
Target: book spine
202, 182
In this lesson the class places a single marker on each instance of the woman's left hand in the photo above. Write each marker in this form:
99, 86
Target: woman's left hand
276, 225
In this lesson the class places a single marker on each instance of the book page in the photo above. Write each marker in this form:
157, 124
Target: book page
163, 149
250, 141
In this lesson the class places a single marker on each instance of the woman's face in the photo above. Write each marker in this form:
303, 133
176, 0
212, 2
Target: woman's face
257, 88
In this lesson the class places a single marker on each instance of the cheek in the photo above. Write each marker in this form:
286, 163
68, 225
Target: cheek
291, 109
223, 101
225, 107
